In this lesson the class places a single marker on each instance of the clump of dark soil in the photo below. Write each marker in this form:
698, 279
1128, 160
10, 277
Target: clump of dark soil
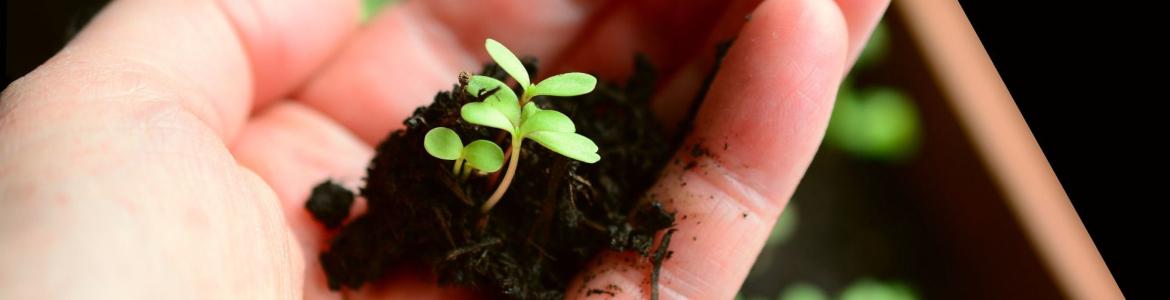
329, 203
555, 217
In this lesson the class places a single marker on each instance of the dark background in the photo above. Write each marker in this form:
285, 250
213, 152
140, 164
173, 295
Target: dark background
1066, 66
1063, 64
36, 29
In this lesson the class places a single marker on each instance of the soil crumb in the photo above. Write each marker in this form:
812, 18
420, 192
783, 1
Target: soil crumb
329, 203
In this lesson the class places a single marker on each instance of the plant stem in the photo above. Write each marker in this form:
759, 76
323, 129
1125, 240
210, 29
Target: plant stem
503, 187
513, 162
458, 165
524, 98
466, 173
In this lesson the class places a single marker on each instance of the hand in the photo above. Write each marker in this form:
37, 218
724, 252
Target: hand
169, 148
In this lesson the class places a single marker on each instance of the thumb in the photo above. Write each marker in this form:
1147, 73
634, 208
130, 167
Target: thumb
755, 135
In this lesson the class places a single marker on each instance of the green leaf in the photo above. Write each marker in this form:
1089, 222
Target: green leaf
484, 156
507, 61
510, 110
530, 109
479, 83
569, 144
503, 100
443, 143
547, 120
565, 85
485, 114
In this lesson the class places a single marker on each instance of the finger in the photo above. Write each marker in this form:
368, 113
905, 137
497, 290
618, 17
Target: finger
137, 107
293, 149
861, 16
673, 101
119, 198
284, 49
666, 32
210, 59
756, 134
410, 51
537, 28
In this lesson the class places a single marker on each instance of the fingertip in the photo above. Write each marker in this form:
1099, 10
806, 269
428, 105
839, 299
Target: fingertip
861, 16
286, 40
392, 66
754, 137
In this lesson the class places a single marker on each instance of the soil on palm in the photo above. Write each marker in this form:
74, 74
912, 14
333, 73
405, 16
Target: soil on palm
557, 215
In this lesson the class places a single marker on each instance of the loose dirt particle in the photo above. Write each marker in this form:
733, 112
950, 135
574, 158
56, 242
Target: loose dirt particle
659, 257
329, 203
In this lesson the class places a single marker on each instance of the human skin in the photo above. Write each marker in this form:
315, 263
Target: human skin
168, 149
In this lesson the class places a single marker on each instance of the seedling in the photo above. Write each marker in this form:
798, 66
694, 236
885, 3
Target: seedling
434, 205
522, 118
443, 143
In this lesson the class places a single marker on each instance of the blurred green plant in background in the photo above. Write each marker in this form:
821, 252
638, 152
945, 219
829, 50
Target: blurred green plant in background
875, 123
370, 8
875, 49
782, 232
862, 289
879, 122
784, 227
870, 122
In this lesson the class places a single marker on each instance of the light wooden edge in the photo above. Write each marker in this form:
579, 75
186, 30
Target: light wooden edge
1002, 138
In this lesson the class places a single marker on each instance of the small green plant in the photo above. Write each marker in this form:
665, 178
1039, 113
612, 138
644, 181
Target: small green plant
518, 116
445, 144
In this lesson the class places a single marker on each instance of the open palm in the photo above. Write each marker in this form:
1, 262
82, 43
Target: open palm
169, 148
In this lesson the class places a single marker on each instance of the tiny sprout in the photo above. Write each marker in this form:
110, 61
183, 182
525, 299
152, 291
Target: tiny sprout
443, 143
522, 118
